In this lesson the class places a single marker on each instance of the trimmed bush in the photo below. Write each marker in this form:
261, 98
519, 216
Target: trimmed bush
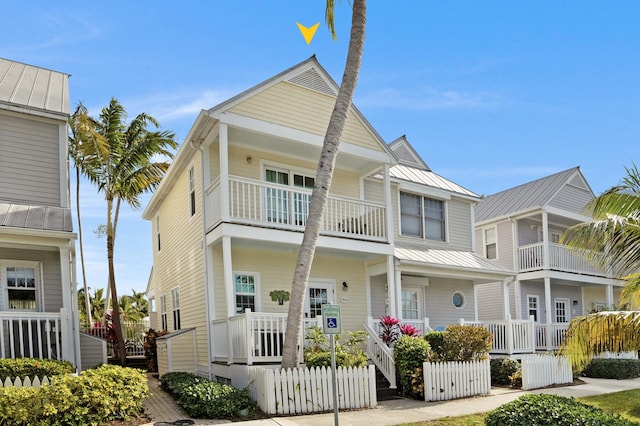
409, 353
94, 397
436, 343
466, 343
202, 398
323, 359
542, 409
613, 369
348, 350
31, 367
502, 369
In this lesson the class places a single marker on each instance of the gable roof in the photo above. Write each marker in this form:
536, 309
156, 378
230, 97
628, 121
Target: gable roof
34, 88
428, 178
406, 154
534, 194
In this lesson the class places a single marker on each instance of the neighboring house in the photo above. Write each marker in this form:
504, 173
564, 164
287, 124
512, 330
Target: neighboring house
228, 218
38, 310
520, 229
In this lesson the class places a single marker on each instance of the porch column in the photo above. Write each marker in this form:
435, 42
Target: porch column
391, 285
227, 267
224, 172
68, 346
609, 296
398, 294
389, 209
545, 240
506, 312
547, 307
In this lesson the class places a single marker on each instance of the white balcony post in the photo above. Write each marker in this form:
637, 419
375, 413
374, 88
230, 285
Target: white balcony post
391, 285
250, 343
389, 208
224, 171
532, 328
68, 340
547, 306
228, 275
505, 300
509, 333
398, 289
545, 240
609, 296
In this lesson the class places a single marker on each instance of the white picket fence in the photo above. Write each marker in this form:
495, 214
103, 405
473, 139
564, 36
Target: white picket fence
304, 390
539, 371
24, 382
452, 380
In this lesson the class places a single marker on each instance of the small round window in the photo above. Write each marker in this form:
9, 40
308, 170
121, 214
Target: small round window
457, 299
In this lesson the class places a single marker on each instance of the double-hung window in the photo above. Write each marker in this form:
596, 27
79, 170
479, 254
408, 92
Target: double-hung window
158, 231
422, 217
192, 191
490, 243
19, 282
175, 307
163, 312
245, 286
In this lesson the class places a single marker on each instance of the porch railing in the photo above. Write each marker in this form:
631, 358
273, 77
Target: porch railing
133, 331
561, 258
381, 355
548, 338
286, 207
509, 336
34, 335
253, 337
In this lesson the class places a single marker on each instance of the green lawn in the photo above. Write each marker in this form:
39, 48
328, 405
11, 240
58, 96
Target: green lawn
626, 403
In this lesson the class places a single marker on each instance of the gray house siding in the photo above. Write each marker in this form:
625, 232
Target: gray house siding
439, 307
572, 198
94, 351
489, 300
558, 291
29, 161
527, 234
51, 278
378, 296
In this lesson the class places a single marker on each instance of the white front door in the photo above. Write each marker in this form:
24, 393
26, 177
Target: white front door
319, 293
562, 310
412, 303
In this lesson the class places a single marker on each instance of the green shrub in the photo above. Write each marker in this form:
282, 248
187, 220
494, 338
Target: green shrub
466, 343
348, 350
436, 343
409, 354
542, 409
502, 369
94, 397
323, 359
202, 398
31, 367
613, 368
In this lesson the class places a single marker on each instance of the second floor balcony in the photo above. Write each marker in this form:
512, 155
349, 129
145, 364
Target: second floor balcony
560, 258
266, 204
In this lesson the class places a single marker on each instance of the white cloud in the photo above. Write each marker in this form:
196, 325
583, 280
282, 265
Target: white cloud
429, 99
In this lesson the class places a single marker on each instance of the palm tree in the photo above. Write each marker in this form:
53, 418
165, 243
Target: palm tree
612, 239
122, 172
324, 176
82, 130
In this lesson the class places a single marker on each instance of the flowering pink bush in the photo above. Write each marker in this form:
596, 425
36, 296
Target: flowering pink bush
409, 330
389, 331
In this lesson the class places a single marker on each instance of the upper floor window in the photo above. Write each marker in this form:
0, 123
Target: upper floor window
175, 307
490, 243
192, 191
163, 312
422, 217
19, 283
158, 231
245, 286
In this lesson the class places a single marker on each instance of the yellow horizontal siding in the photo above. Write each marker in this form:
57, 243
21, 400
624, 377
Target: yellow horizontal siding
299, 108
182, 356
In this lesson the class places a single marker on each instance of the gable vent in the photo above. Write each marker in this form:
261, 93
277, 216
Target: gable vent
312, 80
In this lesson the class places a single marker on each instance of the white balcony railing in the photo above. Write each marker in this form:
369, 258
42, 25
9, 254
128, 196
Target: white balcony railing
509, 336
561, 258
286, 207
253, 337
551, 339
34, 335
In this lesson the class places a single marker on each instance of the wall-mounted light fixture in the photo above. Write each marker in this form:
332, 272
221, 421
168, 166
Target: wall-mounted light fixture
248, 159
345, 286
575, 303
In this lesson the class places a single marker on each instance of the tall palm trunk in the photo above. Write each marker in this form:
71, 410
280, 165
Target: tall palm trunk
115, 317
87, 297
322, 184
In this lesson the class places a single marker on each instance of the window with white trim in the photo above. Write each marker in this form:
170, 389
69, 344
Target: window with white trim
458, 299
533, 305
422, 217
20, 284
410, 303
163, 312
158, 232
490, 243
175, 307
245, 289
192, 191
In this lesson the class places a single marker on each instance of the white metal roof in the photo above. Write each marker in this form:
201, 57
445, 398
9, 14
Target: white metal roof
429, 178
47, 218
452, 259
34, 87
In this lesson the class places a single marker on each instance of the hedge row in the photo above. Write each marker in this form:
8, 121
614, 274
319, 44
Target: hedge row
32, 367
613, 368
202, 398
95, 397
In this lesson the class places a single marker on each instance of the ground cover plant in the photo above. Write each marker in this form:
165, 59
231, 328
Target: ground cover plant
202, 398
348, 349
94, 397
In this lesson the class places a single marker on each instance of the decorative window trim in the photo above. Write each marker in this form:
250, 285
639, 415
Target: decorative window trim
163, 312
158, 233
256, 291
485, 243
462, 296
4, 285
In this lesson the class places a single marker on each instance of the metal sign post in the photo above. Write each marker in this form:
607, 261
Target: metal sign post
332, 324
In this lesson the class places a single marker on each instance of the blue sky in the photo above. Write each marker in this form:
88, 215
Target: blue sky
492, 94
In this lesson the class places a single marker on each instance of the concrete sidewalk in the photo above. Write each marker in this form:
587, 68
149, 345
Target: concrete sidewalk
407, 410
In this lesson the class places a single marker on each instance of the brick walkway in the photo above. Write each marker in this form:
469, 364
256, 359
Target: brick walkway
164, 411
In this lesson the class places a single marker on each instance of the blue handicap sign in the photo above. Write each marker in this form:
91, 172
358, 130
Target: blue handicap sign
332, 323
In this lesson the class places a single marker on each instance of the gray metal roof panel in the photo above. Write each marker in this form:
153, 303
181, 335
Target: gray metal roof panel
34, 87
536, 193
449, 258
429, 178
47, 218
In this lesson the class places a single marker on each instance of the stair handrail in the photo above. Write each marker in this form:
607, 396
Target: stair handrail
381, 355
